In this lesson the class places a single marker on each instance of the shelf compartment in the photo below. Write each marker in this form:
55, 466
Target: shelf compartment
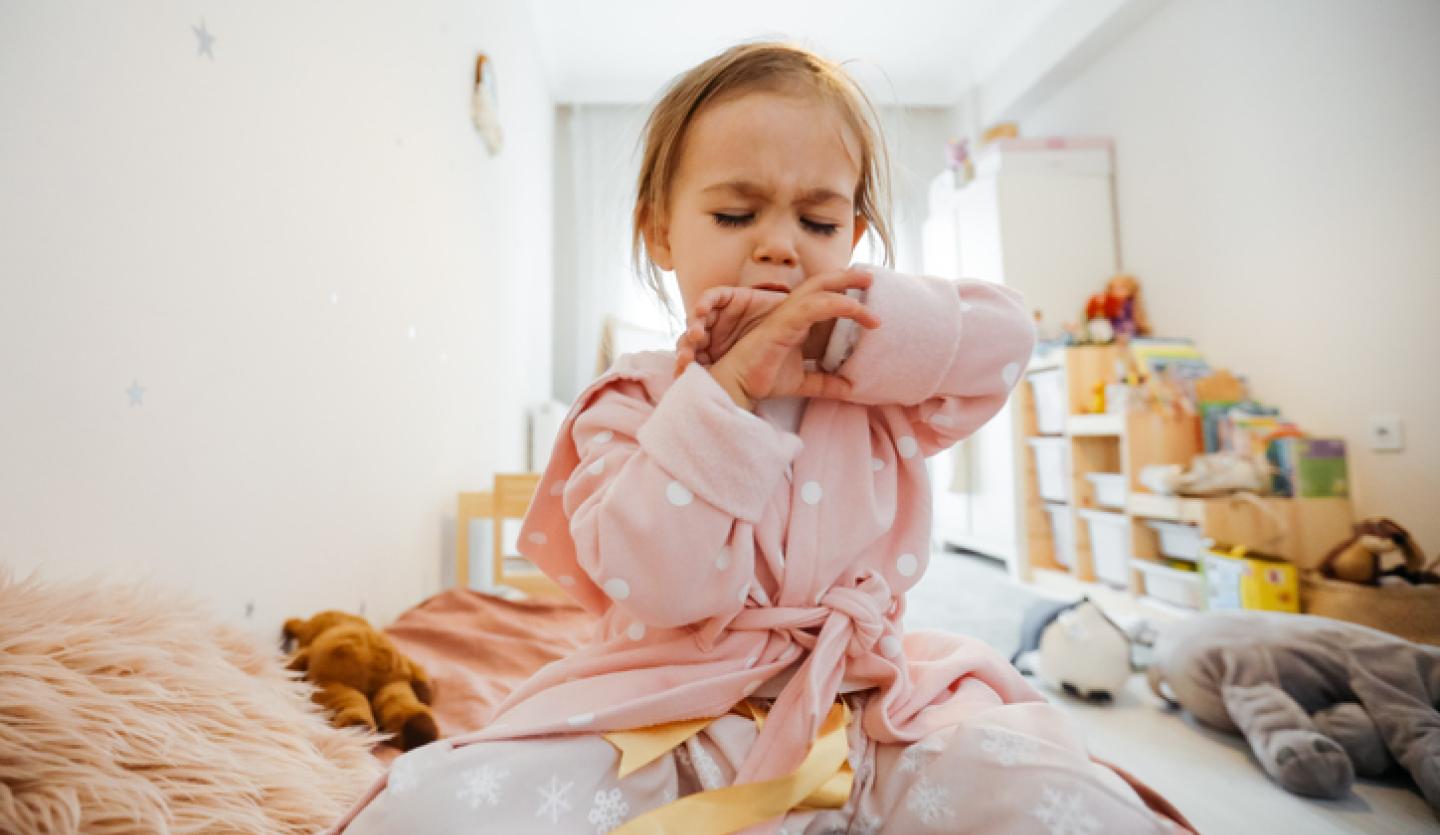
1171, 585
1091, 426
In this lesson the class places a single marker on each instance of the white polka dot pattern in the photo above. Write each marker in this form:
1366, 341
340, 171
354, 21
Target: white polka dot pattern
557, 488
1010, 373
722, 559
907, 565
635, 631
876, 464
617, 588
604, 437
811, 493
678, 494
538, 538
567, 581
580, 720
890, 646
597, 467
908, 446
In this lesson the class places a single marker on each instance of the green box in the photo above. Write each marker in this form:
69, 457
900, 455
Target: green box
1309, 468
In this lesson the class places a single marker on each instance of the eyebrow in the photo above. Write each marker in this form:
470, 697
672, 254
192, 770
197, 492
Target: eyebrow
745, 188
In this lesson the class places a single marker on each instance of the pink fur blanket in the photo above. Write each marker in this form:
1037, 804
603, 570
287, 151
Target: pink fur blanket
126, 708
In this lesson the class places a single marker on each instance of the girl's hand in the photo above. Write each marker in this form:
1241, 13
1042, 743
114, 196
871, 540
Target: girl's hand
765, 359
720, 318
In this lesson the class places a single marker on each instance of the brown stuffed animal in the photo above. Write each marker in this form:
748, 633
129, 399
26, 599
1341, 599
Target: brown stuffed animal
355, 669
1362, 558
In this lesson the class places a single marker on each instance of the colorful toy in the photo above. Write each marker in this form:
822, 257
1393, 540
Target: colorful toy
1122, 307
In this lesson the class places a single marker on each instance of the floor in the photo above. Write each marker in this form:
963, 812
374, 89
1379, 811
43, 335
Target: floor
1211, 777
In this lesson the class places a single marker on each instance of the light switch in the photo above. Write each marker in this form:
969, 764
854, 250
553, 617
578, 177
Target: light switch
1387, 433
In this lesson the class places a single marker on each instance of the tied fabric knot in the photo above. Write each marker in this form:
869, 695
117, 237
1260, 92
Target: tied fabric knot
861, 609
852, 622
865, 605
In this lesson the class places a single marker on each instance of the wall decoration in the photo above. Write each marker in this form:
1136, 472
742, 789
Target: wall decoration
137, 394
204, 40
484, 105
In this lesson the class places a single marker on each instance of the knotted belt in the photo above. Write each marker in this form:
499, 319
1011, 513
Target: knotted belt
851, 621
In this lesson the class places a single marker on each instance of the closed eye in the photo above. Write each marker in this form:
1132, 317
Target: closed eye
818, 228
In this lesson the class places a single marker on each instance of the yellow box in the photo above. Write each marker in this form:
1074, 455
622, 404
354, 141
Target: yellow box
1238, 579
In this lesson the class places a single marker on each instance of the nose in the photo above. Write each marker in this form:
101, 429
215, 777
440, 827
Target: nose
775, 247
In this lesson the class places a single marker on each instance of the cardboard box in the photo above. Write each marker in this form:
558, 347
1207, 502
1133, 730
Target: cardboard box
1309, 468
1240, 580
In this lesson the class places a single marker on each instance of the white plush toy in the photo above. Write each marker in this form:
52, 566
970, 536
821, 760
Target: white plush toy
1079, 650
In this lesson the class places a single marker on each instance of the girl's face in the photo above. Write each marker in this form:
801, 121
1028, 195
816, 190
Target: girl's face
763, 197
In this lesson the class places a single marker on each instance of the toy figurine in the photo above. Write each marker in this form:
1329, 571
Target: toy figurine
1098, 329
1123, 308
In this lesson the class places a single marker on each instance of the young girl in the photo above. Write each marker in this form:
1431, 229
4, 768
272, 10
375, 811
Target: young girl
745, 515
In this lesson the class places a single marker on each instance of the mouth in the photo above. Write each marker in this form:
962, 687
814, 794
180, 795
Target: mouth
770, 285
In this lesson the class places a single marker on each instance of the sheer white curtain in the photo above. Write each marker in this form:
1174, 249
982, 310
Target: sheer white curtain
597, 162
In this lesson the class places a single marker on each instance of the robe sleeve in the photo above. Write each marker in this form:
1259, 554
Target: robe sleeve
658, 492
948, 352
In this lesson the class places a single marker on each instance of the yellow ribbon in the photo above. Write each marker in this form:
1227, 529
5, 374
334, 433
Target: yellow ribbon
822, 781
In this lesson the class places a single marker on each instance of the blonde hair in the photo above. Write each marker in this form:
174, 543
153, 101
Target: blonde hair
755, 67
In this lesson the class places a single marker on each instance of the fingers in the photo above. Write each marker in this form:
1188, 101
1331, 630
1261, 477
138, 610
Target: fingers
710, 302
690, 347
698, 335
821, 307
826, 386
683, 357
858, 278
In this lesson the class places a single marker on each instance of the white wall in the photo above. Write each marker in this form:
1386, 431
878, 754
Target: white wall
252, 239
1278, 191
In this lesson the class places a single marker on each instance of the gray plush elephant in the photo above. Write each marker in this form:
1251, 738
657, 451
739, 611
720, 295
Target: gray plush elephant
1318, 700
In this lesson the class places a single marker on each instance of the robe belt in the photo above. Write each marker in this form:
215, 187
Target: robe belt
849, 618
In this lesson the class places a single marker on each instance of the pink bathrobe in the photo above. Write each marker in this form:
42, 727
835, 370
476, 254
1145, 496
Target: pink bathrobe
720, 550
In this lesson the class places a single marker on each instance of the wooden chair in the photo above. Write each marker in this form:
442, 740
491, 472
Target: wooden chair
509, 499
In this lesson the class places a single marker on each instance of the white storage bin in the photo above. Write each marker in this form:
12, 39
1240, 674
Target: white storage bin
1183, 588
1183, 542
1109, 489
1062, 533
1110, 546
1052, 469
1049, 389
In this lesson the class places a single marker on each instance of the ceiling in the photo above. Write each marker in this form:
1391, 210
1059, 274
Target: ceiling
905, 52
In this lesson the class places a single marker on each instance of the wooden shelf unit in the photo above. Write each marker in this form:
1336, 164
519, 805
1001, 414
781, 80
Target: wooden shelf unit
1301, 530
1123, 443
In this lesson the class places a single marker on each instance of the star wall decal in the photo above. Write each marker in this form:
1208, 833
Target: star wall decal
205, 41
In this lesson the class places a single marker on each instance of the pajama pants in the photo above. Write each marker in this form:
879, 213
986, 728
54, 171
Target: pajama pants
1011, 769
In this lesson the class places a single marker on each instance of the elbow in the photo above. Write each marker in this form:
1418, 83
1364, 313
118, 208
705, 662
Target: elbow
663, 575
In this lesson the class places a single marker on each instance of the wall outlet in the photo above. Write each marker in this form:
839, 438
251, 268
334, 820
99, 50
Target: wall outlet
1387, 433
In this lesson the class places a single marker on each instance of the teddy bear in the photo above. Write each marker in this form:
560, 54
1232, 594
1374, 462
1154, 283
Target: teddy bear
362, 678
1318, 700
1368, 556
